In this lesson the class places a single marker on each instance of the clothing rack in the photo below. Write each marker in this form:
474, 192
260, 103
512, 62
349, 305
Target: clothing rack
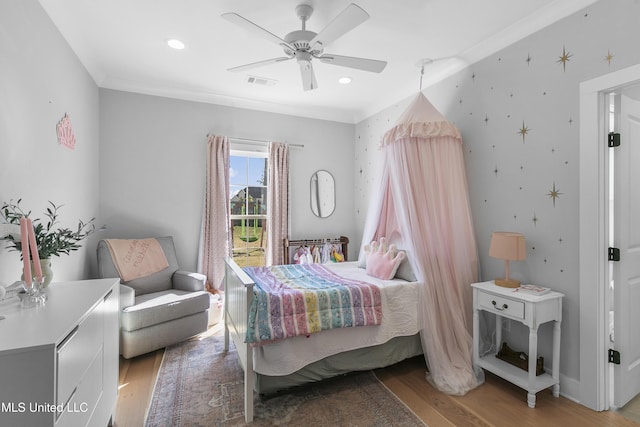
287, 243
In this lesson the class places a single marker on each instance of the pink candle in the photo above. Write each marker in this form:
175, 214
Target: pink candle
34, 249
24, 239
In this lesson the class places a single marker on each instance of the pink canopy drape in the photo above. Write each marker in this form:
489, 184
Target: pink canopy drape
215, 235
423, 207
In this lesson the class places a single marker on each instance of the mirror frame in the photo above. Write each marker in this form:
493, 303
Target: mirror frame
314, 193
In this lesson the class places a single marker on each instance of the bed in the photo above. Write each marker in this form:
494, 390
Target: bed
285, 363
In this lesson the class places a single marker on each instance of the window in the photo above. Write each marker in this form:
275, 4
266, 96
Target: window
248, 206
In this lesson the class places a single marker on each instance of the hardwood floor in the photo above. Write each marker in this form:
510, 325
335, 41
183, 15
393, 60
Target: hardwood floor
496, 403
137, 379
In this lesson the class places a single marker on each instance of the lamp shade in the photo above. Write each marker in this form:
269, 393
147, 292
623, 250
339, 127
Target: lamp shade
508, 246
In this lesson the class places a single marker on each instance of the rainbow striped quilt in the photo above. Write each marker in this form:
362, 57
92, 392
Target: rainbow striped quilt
301, 299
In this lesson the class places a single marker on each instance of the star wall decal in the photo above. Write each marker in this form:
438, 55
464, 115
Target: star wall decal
535, 220
528, 59
523, 131
554, 194
564, 58
609, 57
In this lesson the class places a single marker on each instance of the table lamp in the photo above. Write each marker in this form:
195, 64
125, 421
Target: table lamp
507, 246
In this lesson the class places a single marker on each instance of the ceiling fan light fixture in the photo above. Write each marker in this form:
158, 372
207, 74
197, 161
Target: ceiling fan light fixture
304, 59
175, 44
304, 46
344, 80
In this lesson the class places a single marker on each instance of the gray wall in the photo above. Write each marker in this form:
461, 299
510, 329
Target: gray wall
511, 178
152, 157
146, 176
41, 79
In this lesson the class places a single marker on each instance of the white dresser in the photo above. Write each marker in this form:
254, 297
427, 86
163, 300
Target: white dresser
59, 362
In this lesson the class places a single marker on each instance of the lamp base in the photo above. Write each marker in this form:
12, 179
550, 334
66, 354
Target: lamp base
511, 283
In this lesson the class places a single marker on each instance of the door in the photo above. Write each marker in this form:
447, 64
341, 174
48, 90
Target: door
626, 272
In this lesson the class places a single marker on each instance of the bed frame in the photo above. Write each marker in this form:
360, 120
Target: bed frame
238, 291
238, 295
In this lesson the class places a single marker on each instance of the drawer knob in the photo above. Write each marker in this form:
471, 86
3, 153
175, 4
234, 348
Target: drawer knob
495, 305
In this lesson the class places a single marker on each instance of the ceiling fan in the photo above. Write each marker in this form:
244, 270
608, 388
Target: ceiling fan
303, 45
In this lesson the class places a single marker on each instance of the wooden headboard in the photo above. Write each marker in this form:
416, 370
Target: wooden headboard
287, 243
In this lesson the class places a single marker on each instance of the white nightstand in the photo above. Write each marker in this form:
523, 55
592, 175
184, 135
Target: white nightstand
532, 311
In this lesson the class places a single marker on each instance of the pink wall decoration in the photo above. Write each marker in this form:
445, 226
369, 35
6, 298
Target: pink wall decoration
66, 136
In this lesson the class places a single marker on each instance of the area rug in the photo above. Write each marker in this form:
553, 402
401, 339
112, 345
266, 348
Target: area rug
199, 384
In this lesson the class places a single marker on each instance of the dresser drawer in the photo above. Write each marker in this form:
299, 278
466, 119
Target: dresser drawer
76, 352
502, 305
78, 409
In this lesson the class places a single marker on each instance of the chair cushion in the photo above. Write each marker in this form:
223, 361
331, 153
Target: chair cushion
156, 282
158, 307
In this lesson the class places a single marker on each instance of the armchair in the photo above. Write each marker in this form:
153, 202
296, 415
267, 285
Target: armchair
159, 309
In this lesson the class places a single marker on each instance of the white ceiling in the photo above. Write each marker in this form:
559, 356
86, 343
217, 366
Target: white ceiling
122, 43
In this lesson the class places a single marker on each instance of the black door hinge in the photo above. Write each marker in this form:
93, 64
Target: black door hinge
614, 254
613, 139
614, 356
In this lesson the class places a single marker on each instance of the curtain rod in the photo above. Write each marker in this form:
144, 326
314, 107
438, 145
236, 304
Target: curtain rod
257, 141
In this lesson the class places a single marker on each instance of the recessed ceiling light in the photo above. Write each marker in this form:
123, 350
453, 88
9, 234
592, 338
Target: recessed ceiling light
176, 44
344, 80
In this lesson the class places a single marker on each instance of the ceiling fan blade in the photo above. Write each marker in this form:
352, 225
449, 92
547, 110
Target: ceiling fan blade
372, 65
259, 64
256, 29
352, 16
308, 76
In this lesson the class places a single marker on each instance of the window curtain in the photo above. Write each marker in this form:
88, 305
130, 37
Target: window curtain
215, 236
423, 207
277, 202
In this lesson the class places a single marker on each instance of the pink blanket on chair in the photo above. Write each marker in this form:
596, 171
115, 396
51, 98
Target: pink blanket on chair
136, 258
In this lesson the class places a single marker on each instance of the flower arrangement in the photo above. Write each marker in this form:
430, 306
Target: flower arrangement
50, 240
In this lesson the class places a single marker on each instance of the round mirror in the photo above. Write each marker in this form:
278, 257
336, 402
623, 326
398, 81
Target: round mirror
323, 194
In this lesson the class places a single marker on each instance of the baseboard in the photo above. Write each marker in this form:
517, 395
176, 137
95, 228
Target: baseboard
570, 388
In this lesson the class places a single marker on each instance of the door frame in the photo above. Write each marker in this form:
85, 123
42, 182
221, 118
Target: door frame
594, 265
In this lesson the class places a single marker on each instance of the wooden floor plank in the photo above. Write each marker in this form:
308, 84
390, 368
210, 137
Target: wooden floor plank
496, 403
137, 379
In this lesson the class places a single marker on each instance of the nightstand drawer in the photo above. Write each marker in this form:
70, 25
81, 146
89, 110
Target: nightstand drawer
501, 305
